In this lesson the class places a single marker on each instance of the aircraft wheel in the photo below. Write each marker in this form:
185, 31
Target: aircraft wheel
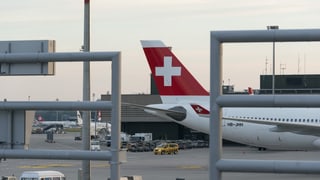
262, 149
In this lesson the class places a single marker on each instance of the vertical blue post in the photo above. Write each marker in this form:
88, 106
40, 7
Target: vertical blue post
115, 117
86, 169
215, 109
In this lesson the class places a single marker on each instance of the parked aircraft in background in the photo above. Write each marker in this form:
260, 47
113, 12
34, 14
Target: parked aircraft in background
186, 102
64, 124
95, 126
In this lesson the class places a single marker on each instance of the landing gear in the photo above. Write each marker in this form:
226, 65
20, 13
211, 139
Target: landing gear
262, 149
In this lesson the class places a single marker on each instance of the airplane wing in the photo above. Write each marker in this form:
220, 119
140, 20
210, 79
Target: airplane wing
303, 129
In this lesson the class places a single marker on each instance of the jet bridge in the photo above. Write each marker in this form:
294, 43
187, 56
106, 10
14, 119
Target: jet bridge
15, 129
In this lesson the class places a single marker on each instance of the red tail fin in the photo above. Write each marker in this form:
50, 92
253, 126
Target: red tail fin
171, 77
250, 91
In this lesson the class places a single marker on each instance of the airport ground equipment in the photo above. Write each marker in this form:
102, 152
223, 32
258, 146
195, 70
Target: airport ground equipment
217, 101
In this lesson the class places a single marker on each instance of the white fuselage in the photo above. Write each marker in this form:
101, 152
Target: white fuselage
65, 124
270, 136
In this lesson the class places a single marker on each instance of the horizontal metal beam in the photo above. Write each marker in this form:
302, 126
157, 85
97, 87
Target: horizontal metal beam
55, 154
57, 57
274, 35
55, 105
268, 101
269, 166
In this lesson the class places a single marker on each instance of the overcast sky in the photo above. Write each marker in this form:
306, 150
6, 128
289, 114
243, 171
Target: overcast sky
183, 24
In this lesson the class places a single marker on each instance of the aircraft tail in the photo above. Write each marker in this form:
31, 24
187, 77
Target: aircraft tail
79, 119
171, 77
250, 91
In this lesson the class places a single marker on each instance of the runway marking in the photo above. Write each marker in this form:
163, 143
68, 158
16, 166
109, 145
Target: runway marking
190, 167
43, 166
100, 165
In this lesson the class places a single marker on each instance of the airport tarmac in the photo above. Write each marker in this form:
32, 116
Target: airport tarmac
189, 164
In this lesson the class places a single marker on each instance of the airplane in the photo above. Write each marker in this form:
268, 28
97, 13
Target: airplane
95, 126
103, 128
62, 124
186, 102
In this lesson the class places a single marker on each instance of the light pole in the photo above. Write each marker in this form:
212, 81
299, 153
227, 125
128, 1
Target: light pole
273, 27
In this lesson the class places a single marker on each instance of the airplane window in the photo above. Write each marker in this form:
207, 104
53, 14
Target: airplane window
304, 120
307, 120
311, 120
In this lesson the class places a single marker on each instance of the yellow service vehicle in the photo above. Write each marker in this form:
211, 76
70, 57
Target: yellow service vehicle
166, 148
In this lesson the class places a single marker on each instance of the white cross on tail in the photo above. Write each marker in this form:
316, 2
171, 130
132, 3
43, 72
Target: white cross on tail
167, 71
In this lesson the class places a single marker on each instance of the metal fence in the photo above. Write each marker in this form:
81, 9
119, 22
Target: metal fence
217, 101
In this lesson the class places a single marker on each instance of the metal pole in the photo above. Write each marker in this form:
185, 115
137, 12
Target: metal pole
273, 67
115, 118
95, 129
57, 57
55, 154
215, 115
273, 57
86, 170
53, 105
